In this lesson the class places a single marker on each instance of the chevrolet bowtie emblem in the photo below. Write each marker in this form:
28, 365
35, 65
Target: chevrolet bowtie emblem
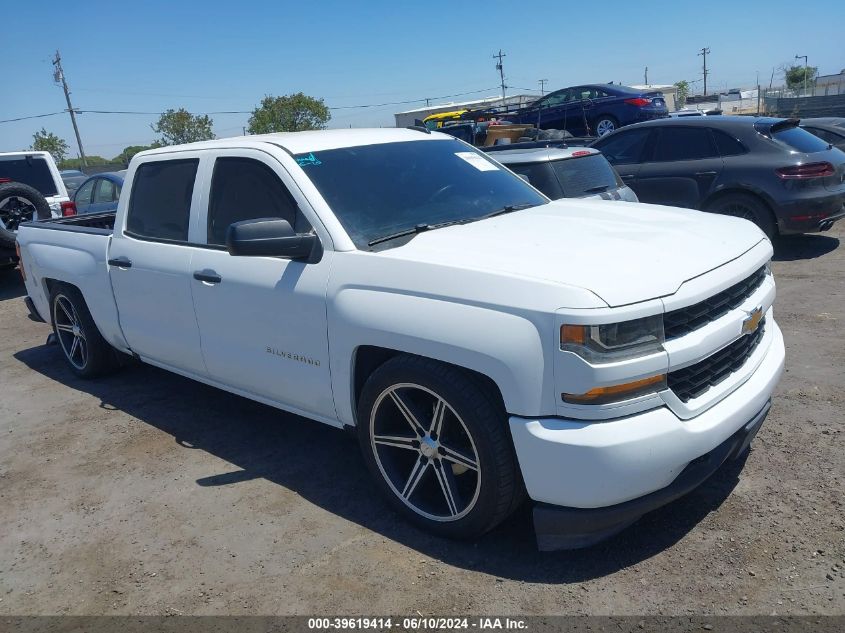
753, 321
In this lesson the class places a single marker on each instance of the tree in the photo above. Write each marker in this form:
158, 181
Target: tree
794, 76
44, 141
92, 161
682, 93
180, 126
291, 113
128, 152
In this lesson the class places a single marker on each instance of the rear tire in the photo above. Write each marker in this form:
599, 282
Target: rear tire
19, 203
455, 473
747, 207
83, 347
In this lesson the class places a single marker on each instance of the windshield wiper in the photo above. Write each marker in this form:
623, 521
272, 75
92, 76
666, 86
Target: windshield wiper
597, 189
419, 228
422, 228
507, 209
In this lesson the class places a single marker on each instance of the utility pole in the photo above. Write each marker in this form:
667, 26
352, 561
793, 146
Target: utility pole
59, 76
804, 57
501, 70
646, 76
542, 83
704, 52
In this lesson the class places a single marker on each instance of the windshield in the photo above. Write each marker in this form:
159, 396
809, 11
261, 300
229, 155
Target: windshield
379, 190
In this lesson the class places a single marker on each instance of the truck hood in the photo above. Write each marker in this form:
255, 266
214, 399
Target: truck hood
623, 252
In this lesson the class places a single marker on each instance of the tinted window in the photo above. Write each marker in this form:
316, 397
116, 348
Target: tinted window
83, 194
377, 190
624, 148
245, 189
30, 170
683, 143
800, 140
541, 176
105, 191
726, 144
556, 98
830, 137
585, 176
160, 204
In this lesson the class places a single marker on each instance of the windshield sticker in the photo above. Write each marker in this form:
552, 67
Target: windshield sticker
479, 162
304, 161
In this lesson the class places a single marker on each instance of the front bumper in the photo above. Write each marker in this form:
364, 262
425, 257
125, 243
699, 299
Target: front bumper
572, 528
583, 466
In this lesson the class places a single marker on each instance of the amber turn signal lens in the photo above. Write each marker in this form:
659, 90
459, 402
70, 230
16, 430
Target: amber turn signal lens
603, 395
573, 334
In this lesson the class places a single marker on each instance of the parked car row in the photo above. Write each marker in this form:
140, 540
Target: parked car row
769, 171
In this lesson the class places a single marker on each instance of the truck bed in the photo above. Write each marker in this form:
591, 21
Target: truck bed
97, 223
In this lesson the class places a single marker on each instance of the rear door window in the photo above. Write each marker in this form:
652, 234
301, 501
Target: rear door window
727, 145
29, 170
684, 143
160, 203
799, 140
624, 148
585, 176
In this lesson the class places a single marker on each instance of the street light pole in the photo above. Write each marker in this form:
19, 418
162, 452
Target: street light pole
804, 57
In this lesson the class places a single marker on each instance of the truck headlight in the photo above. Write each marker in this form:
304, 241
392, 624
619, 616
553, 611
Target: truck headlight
614, 341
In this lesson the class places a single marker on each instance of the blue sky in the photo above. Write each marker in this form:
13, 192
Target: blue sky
215, 55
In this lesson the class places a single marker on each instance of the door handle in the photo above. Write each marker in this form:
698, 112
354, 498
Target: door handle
626, 176
210, 276
120, 262
705, 173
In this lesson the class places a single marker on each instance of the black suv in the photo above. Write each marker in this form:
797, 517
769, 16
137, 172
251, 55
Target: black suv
766, 170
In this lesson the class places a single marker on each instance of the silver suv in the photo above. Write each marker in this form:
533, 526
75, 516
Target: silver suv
572, 172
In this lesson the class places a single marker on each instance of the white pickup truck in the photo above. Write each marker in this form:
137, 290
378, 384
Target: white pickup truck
487, 343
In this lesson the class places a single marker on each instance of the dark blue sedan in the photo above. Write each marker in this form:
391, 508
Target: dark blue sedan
592, 110
99, 193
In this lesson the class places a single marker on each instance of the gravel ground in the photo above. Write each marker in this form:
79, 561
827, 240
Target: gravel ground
147, 493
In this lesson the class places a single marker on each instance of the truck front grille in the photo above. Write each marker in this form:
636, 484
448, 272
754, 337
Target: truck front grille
691, 382
684, 320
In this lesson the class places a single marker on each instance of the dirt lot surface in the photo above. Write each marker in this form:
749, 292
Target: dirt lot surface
146, 493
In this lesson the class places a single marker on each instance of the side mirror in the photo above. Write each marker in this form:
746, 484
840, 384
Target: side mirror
269, 237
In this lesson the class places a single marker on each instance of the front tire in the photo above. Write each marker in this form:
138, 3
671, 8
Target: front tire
87, 353
606, 125
438, 445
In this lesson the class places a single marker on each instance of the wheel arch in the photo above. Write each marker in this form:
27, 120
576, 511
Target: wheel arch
743, 189
368, 358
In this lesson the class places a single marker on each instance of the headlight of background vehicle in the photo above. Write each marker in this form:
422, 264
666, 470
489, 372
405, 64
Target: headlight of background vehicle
614, 341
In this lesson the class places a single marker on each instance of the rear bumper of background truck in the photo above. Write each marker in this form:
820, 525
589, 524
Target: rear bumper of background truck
592, 479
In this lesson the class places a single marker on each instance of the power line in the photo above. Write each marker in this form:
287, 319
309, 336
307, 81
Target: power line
349, 107
34, 116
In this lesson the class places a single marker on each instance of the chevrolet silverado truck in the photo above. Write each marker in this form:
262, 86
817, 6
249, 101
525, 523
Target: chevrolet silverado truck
484, 342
